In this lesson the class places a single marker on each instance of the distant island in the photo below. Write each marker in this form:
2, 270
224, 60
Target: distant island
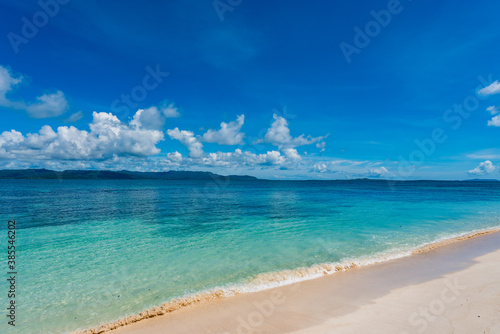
46, 174
116, 175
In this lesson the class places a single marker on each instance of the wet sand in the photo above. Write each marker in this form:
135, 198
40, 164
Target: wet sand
450, 289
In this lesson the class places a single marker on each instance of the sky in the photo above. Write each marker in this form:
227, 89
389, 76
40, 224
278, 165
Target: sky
278, 90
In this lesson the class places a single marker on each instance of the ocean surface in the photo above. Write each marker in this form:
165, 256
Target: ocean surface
91, 252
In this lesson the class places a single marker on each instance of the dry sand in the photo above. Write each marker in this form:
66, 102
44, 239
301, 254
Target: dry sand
451, 289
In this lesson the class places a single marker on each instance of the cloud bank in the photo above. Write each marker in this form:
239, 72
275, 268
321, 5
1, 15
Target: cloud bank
108, 138
109, 143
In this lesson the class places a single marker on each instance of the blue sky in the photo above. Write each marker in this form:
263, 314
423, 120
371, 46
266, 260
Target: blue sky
294, 106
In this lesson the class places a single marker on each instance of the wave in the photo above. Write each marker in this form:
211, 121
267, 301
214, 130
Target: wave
446, 241
280, 278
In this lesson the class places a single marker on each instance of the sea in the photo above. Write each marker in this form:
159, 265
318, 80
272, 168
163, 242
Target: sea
94, 252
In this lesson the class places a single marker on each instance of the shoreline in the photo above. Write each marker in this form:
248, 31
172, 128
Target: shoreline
284, 280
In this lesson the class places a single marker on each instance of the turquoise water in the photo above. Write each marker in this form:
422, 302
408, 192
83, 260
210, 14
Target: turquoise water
92, 252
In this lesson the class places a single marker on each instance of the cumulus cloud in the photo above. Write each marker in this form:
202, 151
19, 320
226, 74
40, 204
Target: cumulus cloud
108, 143
174, 156
378, 172
229, 133
9, 139
494, 88
7, 82
169, 111
154, 118
268, 158
279, 135
47, 105
484, 168
108, 137
188, 139
495, 121
38, 141
239, 158
291, 154
272, 158
111, 143
219, 159
149, 118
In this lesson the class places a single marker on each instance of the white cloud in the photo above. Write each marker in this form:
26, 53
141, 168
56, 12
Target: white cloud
493, 110
153, 118
41, 139
150, 118
292, 154
170, 111
8, 139
47, 105
219, 159
273, 158
243, 159
108, 137
229, 133
495, 121
174, 156
109, 143
484, 168
378, 172
494, 88
321, 146
7, 82
188, 139
279, 135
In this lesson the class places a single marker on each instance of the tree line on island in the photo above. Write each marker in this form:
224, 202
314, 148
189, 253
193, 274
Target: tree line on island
116, 175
